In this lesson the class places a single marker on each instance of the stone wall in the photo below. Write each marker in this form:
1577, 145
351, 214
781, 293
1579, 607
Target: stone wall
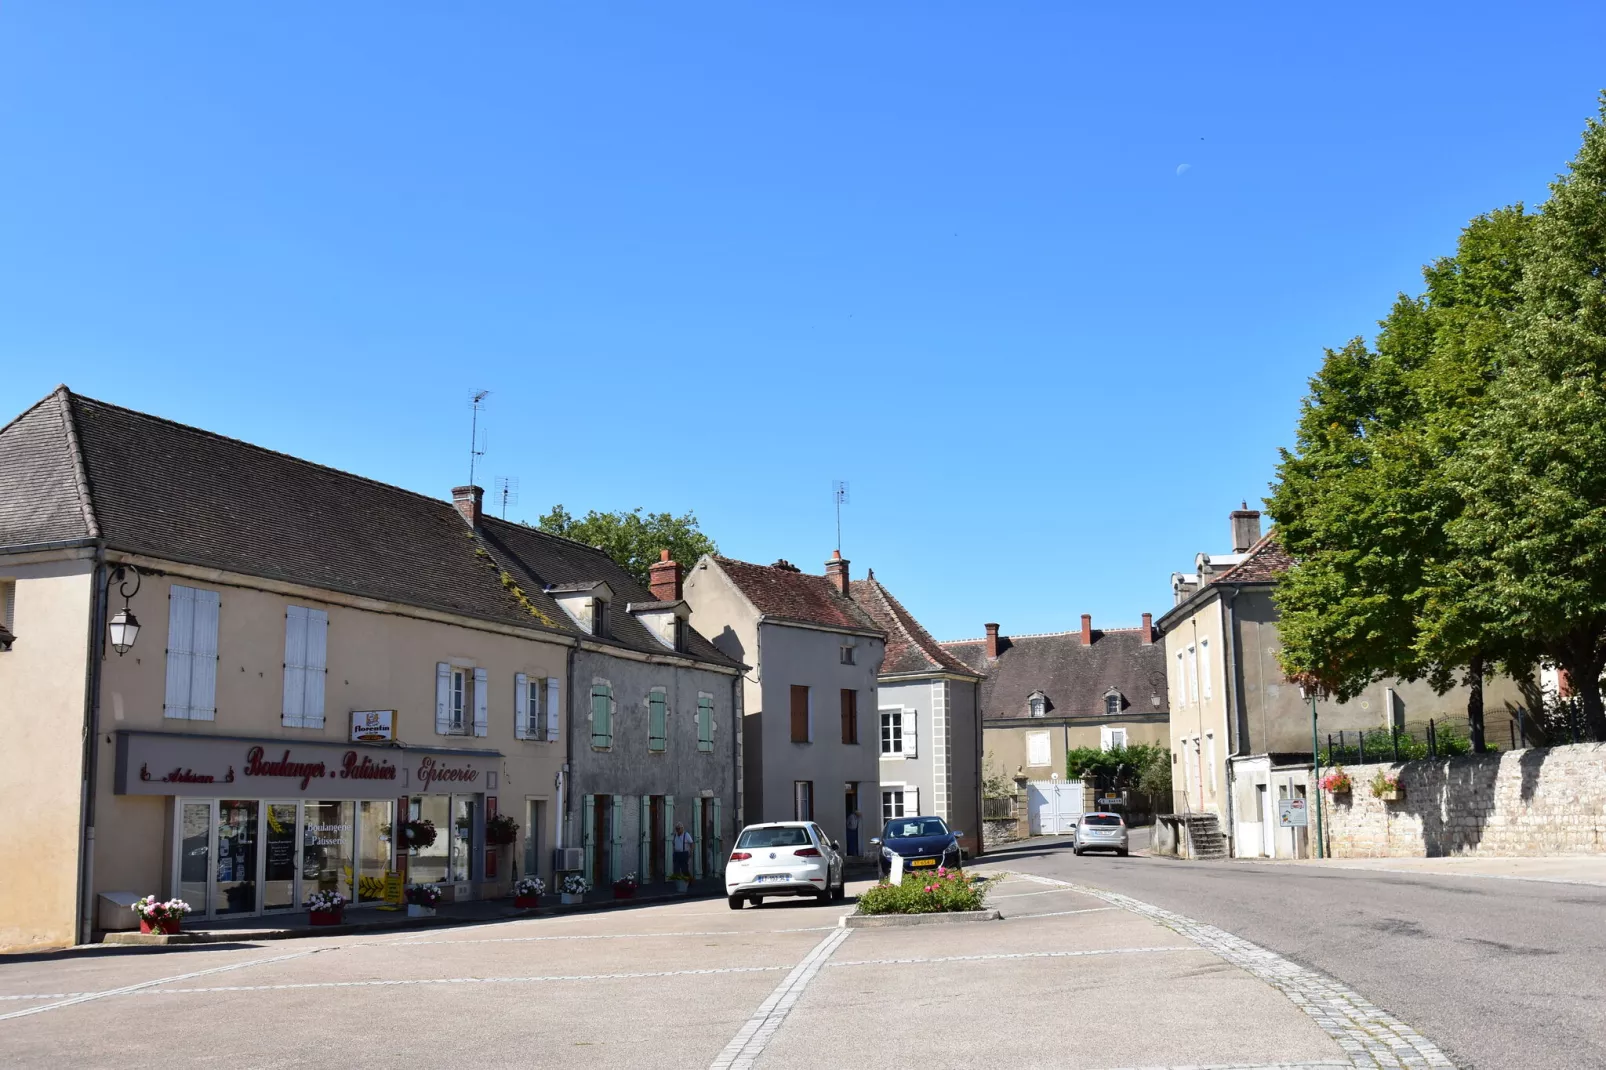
1542, 801
998, 831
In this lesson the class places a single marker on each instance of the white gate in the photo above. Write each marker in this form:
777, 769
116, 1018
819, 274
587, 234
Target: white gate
1053, 806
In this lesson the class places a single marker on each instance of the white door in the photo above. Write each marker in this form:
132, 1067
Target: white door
1053, 806
1268, 821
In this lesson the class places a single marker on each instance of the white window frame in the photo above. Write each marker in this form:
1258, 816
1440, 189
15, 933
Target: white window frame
458, 711
1048, 749
1037, 705
192, 659
892, 797
1112, 703
895, 713
1182, 682
1204, 665
305, 669
1193, 674
847, 653
798, 790
1210, 756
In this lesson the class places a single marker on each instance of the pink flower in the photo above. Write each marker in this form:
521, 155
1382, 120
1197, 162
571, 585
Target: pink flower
942, 871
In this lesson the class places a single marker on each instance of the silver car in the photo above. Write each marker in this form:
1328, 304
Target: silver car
1101, 832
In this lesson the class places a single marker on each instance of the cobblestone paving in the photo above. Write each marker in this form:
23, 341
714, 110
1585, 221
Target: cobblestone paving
1371, 1037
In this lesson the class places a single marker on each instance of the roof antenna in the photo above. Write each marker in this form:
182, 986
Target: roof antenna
839, 492
476, 447
508, 488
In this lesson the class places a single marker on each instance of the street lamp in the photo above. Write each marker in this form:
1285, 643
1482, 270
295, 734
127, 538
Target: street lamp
124, 627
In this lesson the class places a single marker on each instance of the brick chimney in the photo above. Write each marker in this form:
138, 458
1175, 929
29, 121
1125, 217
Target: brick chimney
1087, 629
992, 641
1245, 528
836, 570
663, 578
468, 499
1148, 628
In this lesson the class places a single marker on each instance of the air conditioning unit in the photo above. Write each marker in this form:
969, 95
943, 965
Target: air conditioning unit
568, 859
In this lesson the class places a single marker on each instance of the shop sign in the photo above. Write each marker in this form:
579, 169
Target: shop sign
373, 726
160, 763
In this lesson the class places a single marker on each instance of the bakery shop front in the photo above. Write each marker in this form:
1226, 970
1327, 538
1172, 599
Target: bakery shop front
257, 825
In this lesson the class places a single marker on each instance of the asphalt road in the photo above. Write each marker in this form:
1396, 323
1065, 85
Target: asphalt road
1500, 973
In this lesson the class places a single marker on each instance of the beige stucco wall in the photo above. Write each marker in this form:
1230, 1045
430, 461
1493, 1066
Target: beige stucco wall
729, 621
378, 658
1005, 747
42, 720
1198, 729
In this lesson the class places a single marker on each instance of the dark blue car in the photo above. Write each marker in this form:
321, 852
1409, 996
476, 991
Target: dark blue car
923, 842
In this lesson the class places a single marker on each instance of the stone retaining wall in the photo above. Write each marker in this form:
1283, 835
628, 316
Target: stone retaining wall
1542, 801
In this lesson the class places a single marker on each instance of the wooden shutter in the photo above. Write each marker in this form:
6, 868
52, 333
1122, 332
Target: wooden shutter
644, 839
601, 716
554, 707
850, 716
669, 831
180, 635
719, 841
800, 714
697, 837
911, 733
617, 839
1105, 737
657, 721
316, 663
588, 834
443, 698
482, 702
295, 666
911, 802
705, 723
521, 706
203, 657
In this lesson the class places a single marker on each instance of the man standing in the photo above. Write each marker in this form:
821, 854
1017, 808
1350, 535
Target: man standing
853, 834
681, 846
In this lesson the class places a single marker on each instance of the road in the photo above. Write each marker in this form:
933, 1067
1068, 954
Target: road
1501, 973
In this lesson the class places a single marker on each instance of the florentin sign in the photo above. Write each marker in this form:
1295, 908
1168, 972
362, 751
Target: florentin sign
163, 763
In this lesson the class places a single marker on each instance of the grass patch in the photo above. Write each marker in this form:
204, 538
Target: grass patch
926, 893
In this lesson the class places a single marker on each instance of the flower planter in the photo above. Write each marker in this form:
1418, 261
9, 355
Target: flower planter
326, 917
525, 902
416, 911
623, 892
681, 886
1392, 796
572, 898
165, 927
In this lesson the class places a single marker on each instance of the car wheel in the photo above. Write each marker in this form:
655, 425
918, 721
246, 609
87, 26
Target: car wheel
1077, 851
1121, 851
758, 900
735, 902
841, 892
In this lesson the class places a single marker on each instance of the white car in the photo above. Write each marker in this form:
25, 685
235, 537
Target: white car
783, 858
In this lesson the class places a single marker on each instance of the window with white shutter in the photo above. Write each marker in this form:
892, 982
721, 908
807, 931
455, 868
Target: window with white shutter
482, 702
192, 618
522, 696
911, 802
305, 660
554, 708
445, 681
911, 733
1037, 748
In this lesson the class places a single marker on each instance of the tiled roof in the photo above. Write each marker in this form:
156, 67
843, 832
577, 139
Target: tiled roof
1263, 563
1073, 677
910, 648
799, 596
165, 490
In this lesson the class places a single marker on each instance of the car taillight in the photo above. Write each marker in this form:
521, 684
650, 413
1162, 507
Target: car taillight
808, 852
740, 856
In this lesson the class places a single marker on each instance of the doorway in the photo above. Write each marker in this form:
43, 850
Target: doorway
1268, 825
656, 835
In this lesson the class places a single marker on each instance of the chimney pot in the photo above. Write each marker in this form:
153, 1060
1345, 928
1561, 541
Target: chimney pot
468, 501
836, 570
663, 578
1245, 528
1148, 628
992, 641
1087, 629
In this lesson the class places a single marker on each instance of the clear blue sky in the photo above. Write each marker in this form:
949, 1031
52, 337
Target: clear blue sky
714, 256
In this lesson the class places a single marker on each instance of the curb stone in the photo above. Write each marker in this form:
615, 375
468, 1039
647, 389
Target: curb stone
899, 921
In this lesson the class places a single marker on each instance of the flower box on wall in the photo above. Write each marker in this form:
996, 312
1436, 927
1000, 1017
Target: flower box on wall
165, 927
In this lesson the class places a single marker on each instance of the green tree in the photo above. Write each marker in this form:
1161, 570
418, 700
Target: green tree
1363, 501
1530, 543
634, 538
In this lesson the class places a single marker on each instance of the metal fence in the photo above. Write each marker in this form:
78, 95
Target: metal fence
1000, 808
1451, 735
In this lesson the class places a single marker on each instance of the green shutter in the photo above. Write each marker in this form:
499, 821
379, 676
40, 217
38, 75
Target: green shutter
656, 721
719, 841
644, 827
669, 831
588, 835
705, 724
617, 839
601, 716
697, 837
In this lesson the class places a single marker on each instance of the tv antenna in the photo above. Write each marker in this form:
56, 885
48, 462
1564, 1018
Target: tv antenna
476, 448
507, 487
839, 493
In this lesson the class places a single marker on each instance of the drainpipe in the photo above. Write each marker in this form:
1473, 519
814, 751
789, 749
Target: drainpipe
85, 904
565, 795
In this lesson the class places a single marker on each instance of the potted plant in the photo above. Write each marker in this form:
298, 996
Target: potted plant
682, 880
422, 899
160, 916
1337, 782
500, 830
573, 888
326, 908
625, 887
527, 892
418, 834
1386, 786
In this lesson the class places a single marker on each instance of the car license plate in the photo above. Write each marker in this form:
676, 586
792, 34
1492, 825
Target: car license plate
923, 862
767, 877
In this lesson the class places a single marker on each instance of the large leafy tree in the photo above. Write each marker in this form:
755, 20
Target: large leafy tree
1364, 499
1529, 546
633, 538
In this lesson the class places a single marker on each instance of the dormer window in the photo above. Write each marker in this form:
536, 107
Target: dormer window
847, 653
1037, 703
586, 604
680, 634
666, 621
1112, 703
599, 617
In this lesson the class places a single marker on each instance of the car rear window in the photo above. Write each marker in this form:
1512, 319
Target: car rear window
782, 836
1101, 819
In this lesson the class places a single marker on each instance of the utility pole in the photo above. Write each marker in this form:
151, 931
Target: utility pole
1316, 773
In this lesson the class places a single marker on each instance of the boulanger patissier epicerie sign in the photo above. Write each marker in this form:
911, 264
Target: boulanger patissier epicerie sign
169, 763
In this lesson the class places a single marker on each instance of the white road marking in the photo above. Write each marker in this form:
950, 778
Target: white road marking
463, 980
1330, 1064
129, 989
1016, 955
1368, 1035
49, 995
750, 1040
1023, 895
1059, 913
625, 936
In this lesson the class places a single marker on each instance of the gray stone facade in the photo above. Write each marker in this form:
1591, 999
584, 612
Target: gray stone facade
1541, 801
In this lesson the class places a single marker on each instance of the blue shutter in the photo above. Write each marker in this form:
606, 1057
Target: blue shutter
697, 837
180, 636
719, 841
521, 706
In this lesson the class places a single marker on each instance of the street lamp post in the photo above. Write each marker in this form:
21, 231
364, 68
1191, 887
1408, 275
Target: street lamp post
123, 629
1316, 772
